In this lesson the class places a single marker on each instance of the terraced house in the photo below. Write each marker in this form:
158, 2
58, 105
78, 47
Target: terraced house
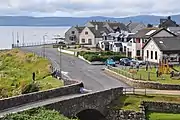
136, 44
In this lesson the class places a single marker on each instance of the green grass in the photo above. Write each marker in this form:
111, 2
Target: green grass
162, 116
132, 102
36, 114
142, 74
16, 68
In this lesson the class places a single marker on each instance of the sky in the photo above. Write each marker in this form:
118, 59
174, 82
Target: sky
84, 8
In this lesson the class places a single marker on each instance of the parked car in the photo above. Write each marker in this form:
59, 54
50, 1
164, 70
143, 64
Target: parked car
110, 62
141, 62
125, 61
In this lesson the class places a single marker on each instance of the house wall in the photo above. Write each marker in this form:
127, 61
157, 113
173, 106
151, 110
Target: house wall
151, 46
163, 33
90, 35
69, 33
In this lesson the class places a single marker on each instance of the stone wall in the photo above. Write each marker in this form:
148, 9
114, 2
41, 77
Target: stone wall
142, 84
95, 100
24, 99
125, 115
162, 107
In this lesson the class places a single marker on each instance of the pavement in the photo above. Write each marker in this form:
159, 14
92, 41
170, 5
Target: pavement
92, 76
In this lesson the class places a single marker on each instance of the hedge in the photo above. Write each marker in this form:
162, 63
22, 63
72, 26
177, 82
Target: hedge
101, 56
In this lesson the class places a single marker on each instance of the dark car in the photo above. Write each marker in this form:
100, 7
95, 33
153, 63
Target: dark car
125, 62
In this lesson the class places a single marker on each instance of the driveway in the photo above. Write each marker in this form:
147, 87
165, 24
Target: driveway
92, 76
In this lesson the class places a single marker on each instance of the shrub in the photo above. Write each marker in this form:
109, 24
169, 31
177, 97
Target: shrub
32, 87
78, 46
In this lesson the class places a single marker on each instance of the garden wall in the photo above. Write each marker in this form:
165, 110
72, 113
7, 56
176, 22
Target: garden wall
142, 84
125, 115
32, 97
163, 107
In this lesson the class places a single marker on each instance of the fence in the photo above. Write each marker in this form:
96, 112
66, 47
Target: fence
130, 90
134, 74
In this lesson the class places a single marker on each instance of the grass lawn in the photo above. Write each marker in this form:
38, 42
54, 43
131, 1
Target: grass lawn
162, 116
16, 68
142, 74
132, 102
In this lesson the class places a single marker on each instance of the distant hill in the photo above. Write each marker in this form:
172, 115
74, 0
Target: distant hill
70, 21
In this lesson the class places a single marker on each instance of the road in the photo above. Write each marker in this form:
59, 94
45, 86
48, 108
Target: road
92, 76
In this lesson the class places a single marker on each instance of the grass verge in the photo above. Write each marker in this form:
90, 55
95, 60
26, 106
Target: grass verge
149, 75
162, 116
16, 68
132, 102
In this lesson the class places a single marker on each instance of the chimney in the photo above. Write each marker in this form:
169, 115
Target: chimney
169, 17
96, 27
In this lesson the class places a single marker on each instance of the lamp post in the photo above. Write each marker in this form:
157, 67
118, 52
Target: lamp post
44, 50
60, 63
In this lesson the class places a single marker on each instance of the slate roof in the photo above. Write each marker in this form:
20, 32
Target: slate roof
98, 33
167, 23
99, 23
79, 28
114, 25
168, 43
132, 25
142, 33
174, 29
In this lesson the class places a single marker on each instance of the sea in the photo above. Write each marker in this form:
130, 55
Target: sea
28, 35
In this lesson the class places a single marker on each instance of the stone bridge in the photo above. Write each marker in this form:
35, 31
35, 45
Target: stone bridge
97, 101
73, 105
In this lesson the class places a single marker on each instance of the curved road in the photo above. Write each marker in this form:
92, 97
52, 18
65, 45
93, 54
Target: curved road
92, 76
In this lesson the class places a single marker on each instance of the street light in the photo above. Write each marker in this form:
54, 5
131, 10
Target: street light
59, 49
44, 50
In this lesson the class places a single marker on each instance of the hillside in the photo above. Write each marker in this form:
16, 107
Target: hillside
70, 21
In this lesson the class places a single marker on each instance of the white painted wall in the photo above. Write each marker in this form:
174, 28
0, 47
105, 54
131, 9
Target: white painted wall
151, 46
90, 35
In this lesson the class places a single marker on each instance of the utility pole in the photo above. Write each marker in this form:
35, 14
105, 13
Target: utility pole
18, 39
23, 38
12, 39
44, 43
60, 61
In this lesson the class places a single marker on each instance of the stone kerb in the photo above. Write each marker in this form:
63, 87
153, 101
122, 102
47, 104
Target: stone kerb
32, 97
142, 84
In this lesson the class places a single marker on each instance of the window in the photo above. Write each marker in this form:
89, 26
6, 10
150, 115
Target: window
155, 55
151, 54
138, 53
138, 40
122, 39
90, 41
147, 53
83, 40
124, 48
73, 32
86, 33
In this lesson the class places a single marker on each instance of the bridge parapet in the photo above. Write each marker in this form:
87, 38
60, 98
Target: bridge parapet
97, 100
37, 96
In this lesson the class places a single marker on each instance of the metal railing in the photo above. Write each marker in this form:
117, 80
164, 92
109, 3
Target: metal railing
134, 91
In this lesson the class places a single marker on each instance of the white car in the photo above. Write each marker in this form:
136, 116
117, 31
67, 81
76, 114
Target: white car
139, 61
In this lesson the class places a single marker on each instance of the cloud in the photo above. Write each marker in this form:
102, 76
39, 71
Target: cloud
115, 8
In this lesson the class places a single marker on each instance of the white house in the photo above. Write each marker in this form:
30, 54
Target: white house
158, 48
135, 45
91, 36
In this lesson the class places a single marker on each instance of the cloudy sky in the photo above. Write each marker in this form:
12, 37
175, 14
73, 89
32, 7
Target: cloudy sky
113, 8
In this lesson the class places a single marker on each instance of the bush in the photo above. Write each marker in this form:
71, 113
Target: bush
32, 87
